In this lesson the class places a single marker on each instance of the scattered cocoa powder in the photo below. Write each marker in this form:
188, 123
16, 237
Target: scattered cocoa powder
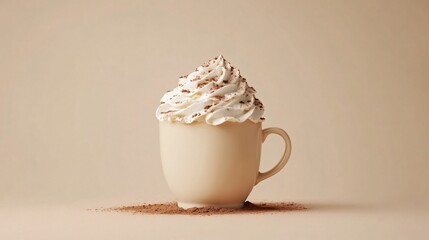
171, 208
218, 97
169, 111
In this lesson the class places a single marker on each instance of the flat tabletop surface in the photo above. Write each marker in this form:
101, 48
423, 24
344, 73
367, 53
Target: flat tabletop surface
319, 221
80, 82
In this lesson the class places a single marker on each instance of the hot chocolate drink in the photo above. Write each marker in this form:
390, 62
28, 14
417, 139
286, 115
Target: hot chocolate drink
211, 136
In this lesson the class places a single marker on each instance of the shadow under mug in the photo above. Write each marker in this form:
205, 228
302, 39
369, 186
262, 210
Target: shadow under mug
215, 166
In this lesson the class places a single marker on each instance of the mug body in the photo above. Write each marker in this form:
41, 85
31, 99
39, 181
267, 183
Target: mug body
210, 166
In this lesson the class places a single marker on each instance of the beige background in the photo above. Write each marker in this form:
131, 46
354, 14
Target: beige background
348, 80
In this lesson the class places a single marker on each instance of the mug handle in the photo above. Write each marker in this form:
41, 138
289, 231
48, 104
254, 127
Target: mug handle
285, 157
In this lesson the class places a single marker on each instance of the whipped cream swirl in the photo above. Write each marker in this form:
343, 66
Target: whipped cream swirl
215, 93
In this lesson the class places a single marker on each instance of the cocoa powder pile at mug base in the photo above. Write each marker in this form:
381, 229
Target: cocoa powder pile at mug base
172, 209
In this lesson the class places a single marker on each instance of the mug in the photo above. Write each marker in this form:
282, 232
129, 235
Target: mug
215, 166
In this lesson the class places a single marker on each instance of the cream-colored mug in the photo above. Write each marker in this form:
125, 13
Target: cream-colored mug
215, 166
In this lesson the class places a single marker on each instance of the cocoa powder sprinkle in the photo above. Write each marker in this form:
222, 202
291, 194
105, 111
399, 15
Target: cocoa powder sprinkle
172, 208
202, 84
169, 111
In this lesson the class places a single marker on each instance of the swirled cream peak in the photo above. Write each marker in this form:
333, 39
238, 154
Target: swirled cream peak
215, 93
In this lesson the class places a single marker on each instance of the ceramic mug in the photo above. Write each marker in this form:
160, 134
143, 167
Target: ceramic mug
215, 166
